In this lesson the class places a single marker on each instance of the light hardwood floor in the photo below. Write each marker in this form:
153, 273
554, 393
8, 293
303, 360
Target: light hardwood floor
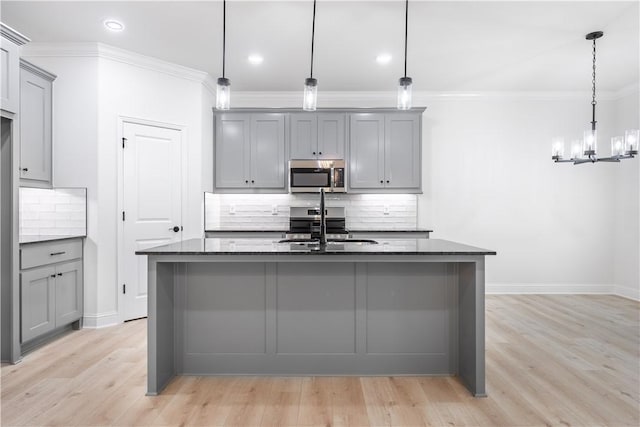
551, 360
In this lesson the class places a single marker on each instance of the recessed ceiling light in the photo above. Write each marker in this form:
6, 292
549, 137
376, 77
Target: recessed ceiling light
255, 59
114, 25
383, 58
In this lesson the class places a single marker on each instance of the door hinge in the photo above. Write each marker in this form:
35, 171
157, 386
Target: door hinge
123, 216
124, 288
123, 141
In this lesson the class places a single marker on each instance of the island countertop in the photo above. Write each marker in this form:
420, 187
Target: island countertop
252, 246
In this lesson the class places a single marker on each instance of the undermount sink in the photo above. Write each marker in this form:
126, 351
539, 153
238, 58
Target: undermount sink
329, 241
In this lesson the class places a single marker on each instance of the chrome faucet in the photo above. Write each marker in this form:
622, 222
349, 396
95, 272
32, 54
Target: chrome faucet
323, 220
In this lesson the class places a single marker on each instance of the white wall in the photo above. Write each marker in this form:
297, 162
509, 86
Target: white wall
75, 151
627, 206
488, 178
131, 91
489, 181
96, 87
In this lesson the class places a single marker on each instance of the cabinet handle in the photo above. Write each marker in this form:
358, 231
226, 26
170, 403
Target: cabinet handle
57, 253
246, 181
320, 153
25, 169
314, 153
59, 274
53, 275
252, 181
381, 181
387, 181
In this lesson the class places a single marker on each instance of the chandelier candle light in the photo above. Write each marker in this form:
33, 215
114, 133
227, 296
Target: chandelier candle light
310, 84
621, 147
223, 87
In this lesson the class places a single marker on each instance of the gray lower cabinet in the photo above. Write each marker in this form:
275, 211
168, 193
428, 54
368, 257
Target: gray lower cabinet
317, 135
51, 286
37, 302
385, 152
250, 152
36, 87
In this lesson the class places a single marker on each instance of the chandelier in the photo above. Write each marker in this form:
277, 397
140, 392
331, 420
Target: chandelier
622, 147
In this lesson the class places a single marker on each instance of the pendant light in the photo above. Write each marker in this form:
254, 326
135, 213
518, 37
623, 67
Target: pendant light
586, 152
310, 84
404, 84
223, 87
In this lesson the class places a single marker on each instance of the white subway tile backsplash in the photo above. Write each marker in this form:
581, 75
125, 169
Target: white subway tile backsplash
363, 211
58, 212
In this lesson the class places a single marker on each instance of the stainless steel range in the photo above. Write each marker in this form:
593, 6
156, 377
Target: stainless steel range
304, 223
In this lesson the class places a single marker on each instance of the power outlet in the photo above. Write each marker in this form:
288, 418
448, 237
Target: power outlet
274, 209
232, 209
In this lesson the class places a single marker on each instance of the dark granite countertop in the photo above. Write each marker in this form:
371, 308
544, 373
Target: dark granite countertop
44, 238
411, 230
253, 246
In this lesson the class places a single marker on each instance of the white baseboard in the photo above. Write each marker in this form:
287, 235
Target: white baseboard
625, 292
100, 320
546, 288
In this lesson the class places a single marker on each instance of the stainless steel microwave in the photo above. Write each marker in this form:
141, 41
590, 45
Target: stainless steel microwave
309, 176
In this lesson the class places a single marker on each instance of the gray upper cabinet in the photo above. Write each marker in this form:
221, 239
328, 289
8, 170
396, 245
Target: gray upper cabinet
402, 151
366, 161
385, 152
317, 135
10, 40
250, 152
35, 126
232, 150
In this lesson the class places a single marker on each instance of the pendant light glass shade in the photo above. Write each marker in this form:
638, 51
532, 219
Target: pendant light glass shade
404, 93
223, 94
617, 146
310, 99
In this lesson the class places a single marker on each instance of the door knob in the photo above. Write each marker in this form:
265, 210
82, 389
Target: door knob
175, 229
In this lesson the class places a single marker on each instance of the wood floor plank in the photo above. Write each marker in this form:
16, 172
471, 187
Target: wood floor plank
552, 360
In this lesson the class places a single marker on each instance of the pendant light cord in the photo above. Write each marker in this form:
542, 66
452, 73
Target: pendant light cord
406, 34
593, 89
313, 35
224, 33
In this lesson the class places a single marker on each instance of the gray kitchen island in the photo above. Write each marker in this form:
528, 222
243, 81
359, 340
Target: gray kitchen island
259, 307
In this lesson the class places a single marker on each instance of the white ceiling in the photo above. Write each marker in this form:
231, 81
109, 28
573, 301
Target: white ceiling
453, 45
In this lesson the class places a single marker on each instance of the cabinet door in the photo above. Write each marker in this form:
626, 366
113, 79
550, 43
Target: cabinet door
35, 128
304, 136
68, 292
37, 302
267, 151
331, 136
232, 150
366, 157
9, 76
402, 151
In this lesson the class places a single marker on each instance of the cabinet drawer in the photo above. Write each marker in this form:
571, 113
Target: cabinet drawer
36, 254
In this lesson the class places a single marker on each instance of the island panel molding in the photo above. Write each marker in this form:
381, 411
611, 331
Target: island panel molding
257, 307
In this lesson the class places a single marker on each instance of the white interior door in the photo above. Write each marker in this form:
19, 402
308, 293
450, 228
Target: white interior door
152, 204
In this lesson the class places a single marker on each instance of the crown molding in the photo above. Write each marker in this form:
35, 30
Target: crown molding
26, 65
13, 35
372, 98
103, 51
